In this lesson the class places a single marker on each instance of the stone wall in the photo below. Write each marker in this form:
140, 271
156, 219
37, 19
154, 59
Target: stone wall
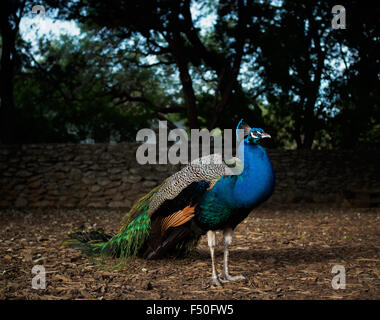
102, 175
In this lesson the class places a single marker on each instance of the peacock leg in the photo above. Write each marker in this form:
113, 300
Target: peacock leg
227, 240
211, 243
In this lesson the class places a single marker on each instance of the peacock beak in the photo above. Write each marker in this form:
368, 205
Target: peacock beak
265, 135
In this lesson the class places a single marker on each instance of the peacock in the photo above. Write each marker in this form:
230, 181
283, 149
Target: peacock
200, 199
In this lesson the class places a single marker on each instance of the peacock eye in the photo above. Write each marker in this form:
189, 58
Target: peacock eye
253, 135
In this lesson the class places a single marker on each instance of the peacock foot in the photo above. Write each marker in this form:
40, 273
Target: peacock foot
227, 278
215, 281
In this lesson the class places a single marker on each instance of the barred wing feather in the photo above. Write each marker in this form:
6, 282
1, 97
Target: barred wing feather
209, 168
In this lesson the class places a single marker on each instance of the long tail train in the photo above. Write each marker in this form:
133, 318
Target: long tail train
130, 240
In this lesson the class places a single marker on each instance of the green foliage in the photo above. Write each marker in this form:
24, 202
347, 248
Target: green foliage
72, 94
307, 84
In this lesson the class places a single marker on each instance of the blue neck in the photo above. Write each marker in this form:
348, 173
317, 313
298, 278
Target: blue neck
256, 182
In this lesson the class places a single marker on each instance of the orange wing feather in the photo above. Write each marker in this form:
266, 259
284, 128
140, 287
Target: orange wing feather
177, 218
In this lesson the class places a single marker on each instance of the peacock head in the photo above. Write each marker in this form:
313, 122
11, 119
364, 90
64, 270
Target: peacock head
250, 135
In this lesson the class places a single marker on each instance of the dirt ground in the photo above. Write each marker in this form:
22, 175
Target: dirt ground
283, 253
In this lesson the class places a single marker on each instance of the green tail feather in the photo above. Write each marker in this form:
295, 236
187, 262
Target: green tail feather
132, 237
88, 242
130, 240
124, 244
141, 206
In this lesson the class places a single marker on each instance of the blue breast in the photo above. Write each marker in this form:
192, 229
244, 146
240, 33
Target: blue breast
256, 183
246, 191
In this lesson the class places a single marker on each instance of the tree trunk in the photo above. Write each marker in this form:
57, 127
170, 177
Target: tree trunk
310, 99
188, 93
9, 24
177, 46
7, 108
228, 75
227, 81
